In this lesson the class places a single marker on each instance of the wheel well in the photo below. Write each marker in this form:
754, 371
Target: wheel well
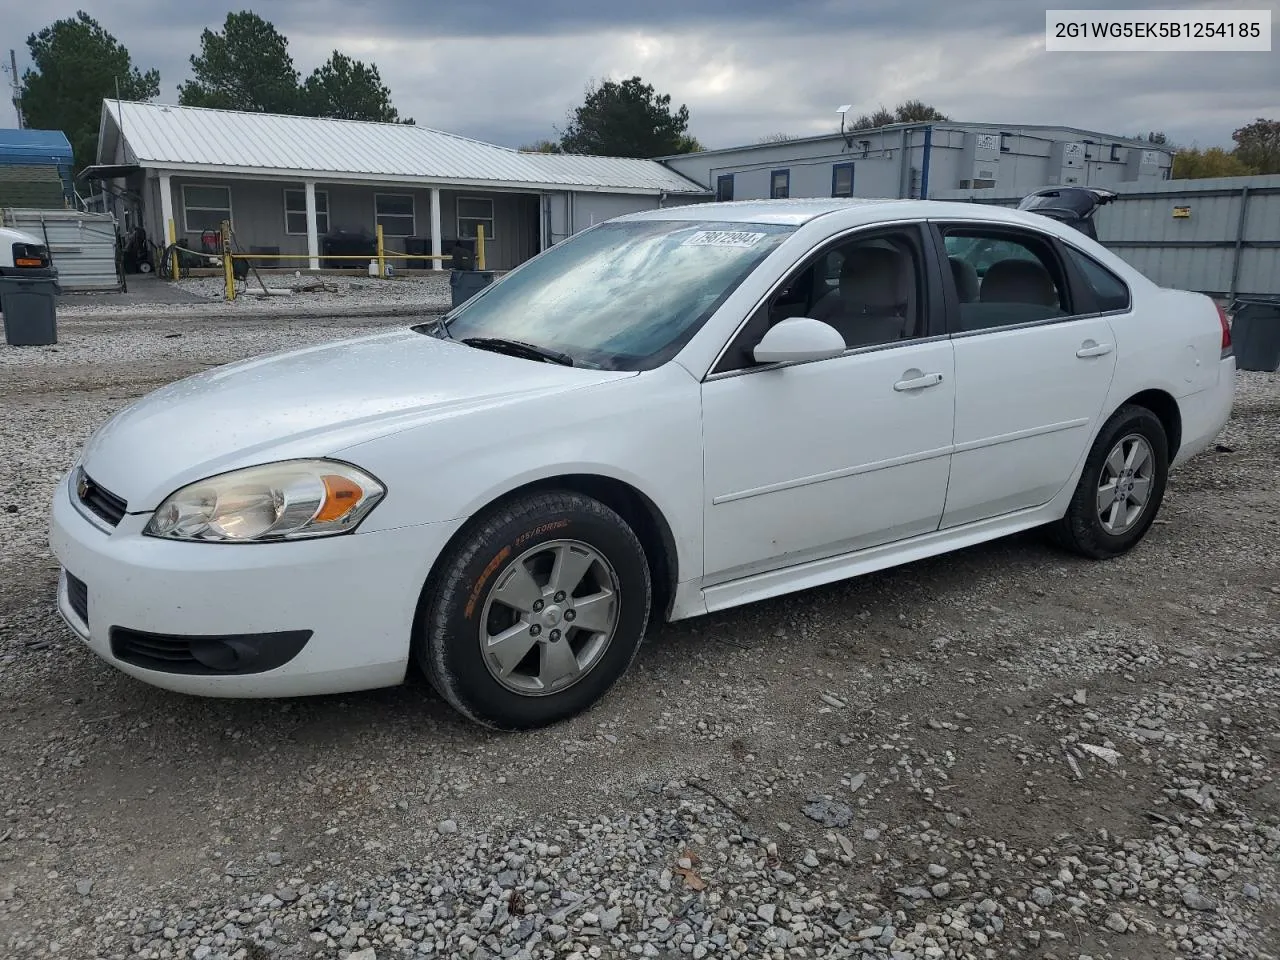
1166, 408
639, 512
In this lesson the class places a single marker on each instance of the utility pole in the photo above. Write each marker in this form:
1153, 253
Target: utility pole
16, 87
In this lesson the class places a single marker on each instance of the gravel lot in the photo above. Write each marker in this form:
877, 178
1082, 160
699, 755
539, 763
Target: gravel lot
1006, 752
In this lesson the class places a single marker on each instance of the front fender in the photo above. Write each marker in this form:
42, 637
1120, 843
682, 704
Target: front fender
644, 431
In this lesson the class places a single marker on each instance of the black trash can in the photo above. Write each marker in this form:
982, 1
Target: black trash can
465, 284
30, 310
1255, 333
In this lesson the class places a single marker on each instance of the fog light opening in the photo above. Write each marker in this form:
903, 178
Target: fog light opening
223, 654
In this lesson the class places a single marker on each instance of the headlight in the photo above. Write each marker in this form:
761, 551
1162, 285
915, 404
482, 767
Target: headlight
292, 500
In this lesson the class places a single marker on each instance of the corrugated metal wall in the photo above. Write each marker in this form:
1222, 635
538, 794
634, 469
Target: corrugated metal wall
83, 245
1219, 236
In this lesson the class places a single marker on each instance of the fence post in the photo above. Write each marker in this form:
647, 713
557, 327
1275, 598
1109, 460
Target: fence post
1235, 259
173, 250
382, 260
479, 246
228, 273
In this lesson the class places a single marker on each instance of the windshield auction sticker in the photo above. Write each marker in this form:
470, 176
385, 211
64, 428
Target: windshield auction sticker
1149, 31
724, 238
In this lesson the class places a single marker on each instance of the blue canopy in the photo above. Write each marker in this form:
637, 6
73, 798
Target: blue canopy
35, 147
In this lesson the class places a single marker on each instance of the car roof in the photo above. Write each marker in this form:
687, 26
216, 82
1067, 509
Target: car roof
873, 210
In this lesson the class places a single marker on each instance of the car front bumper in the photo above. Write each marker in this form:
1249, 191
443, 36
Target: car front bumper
356, 593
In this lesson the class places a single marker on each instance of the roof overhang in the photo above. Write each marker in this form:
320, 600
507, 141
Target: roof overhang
329, 176
109, 171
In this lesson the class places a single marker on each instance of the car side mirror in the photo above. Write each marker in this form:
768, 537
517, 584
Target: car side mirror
797, 339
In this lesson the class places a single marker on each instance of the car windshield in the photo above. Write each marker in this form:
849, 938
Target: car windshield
624, 295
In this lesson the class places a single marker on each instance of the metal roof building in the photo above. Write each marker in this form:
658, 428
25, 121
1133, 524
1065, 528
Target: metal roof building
287, 182
914, 160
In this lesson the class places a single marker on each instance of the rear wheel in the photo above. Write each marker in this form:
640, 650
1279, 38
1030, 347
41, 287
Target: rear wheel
537, 613
1121, 487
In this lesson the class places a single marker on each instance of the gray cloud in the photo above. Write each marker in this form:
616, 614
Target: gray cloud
509, 71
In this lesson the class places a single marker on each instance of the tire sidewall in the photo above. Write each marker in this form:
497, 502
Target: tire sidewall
1126, 421
453, 624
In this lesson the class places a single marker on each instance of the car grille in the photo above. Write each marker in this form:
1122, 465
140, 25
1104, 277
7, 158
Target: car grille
78, 597
101, 501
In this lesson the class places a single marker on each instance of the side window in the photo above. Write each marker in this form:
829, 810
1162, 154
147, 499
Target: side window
1004, 279
869, 289
780, 184
1109, 291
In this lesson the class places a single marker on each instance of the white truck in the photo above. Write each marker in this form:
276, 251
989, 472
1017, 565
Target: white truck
22, 255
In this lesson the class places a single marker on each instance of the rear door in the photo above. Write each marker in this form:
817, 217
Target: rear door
1034, 359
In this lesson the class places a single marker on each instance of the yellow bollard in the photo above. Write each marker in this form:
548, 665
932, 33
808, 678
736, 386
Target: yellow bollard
382, 259
228, 274
479, 246
173, 255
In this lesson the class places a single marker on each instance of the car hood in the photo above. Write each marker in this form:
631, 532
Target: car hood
305, 403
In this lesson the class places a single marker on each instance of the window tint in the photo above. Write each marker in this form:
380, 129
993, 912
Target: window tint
870, 290
1002, 280
1109, 290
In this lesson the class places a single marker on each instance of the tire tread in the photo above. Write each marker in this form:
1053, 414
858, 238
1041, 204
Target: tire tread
526, 510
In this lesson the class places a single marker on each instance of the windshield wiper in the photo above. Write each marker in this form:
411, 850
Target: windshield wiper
518, 348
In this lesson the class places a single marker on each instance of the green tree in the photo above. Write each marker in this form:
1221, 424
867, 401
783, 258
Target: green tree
627, 119
1258, 145
541, 146
246, 66
1195, 164
880, 117
909, 111
75, 66
349, 90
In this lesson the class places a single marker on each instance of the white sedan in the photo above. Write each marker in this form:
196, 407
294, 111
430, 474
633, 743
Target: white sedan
671, 413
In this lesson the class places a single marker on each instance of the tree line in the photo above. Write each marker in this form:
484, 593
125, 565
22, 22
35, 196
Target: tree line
246, 65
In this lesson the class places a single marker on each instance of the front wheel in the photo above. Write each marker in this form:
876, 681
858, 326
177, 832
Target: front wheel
1121, 487
536, 613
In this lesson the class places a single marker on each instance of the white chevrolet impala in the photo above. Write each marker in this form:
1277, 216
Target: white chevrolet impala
671, 413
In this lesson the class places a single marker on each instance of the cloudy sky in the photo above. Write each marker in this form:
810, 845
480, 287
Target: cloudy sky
508, 71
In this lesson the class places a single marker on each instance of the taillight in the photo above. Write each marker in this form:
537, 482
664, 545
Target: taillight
1226, 328
30, 255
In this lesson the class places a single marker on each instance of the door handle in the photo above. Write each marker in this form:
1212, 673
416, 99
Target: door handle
1091, 349
918, 383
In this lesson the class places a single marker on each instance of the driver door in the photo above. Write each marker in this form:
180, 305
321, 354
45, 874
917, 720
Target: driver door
810, 460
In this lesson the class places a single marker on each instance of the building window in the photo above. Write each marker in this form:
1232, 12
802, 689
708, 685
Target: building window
393, 212
204, 207
295, 212
842, 180
724, 187
473, 212
780, 184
